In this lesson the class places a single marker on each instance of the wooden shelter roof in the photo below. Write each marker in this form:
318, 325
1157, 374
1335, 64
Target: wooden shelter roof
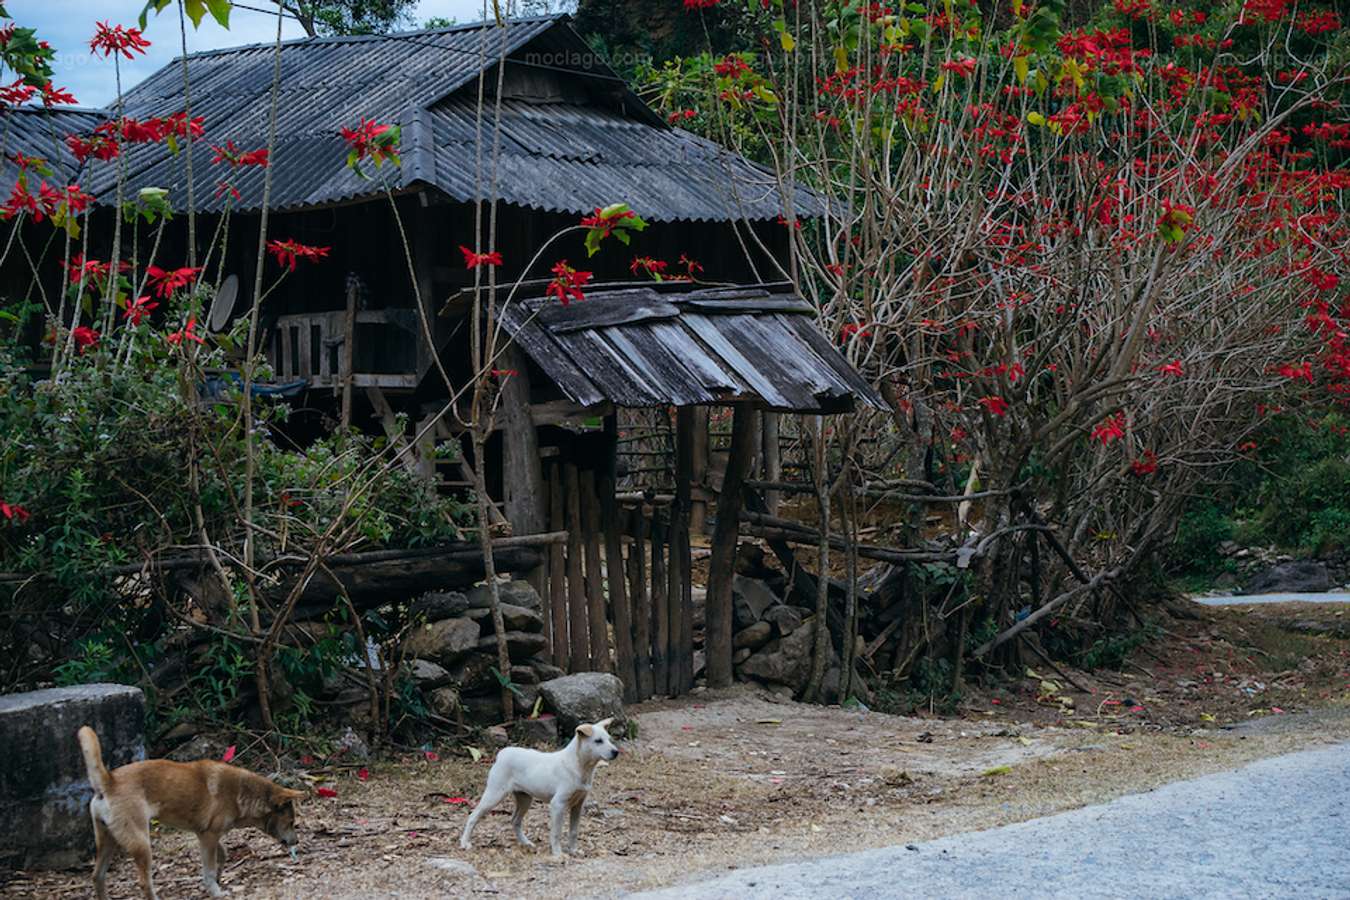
644, 347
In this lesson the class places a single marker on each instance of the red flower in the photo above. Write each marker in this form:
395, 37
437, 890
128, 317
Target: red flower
117, 39
1297, 373
98, 146
474, 260
371, 139
55, 96
731, 66
85, 337
567, 283
692, 267
962, 68
690, 5
325, 792
189, 333
852, 329
1172, 368
138, 309
996, 406
166, 282
13, 512
237, 158
504, 373
653, 267
1111, 429
1145, 465
288, 252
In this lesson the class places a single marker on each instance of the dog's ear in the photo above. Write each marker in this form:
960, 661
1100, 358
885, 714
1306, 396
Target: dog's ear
604, 723
281, 796
585, 730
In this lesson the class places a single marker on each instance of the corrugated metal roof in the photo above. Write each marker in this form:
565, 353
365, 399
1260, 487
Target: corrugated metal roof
35, 131
555, 156
642, 347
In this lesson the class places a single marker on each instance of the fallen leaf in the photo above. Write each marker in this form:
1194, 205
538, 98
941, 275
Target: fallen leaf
431, 755
1276, 710
1024, 741
996, 770
457, 801
768, 721
363, 774
229, 754
815, 827
325, 792
475, 753
306, 760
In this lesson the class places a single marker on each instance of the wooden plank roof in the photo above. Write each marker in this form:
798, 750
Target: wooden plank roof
640, 347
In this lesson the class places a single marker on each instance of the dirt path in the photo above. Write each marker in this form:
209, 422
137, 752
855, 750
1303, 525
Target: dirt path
741, 778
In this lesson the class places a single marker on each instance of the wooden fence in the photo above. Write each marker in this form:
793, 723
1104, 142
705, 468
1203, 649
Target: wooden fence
619, 592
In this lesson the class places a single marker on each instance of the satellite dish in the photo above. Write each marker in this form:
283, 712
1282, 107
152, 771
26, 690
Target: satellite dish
222, 307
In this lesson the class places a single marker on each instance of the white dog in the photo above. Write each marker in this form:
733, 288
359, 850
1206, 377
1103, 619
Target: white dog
563, 778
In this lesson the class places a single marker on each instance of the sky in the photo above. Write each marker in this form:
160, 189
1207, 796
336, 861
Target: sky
69, 24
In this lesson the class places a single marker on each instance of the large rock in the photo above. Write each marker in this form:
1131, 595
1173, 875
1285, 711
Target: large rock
517, 593
446, 641
786, 660
516, 618
519, 644
582, 698
1299, 576
426, 673
44, 790
786, 619
754, 636
750, 599
540, 732
439, 605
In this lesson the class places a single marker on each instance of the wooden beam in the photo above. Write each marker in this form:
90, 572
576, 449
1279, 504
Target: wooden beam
557, 573
523, 489
660, 609
640, 593
403, 452
595, 581
618, 587
576, 585
348, 352
681, 566
718, 629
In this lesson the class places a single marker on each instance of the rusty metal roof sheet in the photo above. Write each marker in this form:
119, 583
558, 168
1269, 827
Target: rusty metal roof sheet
555, 156
644, 346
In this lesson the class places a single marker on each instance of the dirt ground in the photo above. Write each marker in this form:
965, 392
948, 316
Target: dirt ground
737, 778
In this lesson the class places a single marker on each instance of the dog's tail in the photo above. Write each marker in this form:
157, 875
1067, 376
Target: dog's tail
93, 759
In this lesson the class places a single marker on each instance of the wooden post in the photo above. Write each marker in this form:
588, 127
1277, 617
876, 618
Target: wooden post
618, 588
681, 590
348, 350
718, 628
522, 474
773, 458
640, 592
698, 472
595, 581
426, 447
660, 609
576, 586
557, 572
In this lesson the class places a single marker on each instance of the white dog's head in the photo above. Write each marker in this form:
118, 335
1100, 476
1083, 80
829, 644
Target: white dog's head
594, 741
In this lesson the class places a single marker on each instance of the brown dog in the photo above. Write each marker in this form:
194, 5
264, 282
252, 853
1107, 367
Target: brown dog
205, 797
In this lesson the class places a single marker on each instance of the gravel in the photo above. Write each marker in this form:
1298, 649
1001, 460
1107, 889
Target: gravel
1275, 828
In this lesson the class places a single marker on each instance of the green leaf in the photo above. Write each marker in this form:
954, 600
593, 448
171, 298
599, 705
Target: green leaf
220, 11
157, 5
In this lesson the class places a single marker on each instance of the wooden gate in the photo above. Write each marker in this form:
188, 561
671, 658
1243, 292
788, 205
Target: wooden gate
619, 593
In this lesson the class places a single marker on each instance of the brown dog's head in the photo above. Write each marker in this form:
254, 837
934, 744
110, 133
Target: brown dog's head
280, 819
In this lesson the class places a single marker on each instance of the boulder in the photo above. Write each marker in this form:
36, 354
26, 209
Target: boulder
750, 599
1298, 576
483, 710
786, 619
519, 644
524, 675
44, 789
351, 747
546, 671
753, 637
741, 656
444, 701
540, 732
474, 674
426, 673
786, 660
515, 618
517, 593
446, 641
583, 698
439, 605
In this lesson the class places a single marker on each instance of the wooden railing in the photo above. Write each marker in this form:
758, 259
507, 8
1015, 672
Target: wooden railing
385, 348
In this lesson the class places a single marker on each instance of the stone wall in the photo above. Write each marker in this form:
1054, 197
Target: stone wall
44, 793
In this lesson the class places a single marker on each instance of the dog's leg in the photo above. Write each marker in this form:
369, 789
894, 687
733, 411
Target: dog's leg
140, 854
574, 824
492, 795
221, 856
107, 849
523, 801
557, 808
211, 854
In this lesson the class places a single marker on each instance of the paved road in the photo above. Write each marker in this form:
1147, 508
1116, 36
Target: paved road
1274, 829
1249, 599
